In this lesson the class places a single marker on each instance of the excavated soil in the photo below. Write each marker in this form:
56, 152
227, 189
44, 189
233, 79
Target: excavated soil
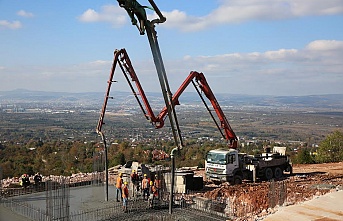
307, 181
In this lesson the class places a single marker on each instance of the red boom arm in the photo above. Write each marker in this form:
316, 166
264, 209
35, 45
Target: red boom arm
121, 57
205, 88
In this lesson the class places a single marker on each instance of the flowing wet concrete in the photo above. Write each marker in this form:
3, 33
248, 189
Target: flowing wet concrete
324, 208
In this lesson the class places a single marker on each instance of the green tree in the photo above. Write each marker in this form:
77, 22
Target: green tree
305, 157
331, 148
119, 159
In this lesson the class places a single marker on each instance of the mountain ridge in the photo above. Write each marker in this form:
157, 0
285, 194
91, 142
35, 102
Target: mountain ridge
307, 101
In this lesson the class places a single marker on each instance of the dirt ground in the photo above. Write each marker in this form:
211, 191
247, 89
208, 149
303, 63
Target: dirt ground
330, 168
308, 181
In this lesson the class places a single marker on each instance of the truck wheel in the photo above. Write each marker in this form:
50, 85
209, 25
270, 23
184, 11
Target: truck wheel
268, 173
289, 169
278, 173
237, 180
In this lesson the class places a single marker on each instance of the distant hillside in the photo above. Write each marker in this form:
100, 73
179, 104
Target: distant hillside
333, 101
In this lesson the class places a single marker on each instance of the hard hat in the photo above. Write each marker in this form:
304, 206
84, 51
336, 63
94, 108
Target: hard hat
155, 175
120, 174
151, 182
133, 171
125, 183
144, 174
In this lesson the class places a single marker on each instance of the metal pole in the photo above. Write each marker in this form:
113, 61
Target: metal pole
172, 183
161, 73
106, 165
151, 33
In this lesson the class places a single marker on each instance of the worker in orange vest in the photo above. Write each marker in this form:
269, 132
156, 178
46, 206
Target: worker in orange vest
125, 192
158, 185
153, 194
145, 187
119, 184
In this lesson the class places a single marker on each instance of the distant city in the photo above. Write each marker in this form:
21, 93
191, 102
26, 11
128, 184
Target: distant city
28, 101
252, 117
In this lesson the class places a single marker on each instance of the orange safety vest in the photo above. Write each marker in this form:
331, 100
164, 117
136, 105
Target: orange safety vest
157, 183
145, 183
154, 191
119, 182
125, 192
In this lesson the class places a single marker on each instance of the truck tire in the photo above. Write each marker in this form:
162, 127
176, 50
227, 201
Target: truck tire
289, 169
278, 173
268, 173
237, 180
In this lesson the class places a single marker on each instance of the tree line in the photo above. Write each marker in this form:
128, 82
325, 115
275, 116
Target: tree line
67, 157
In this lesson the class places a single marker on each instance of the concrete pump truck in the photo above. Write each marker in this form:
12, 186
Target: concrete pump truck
220, 164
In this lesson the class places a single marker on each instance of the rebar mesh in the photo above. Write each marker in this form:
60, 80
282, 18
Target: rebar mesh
98, 168
277, 194
57, 198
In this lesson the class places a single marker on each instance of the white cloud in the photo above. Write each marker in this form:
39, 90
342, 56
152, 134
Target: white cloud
314, 69
109, 13
325, 45
280, 55
25, 14
326, 52
99, 62
237, 11
179, 19
4, 24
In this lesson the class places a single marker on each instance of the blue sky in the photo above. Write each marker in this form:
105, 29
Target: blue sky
256, 47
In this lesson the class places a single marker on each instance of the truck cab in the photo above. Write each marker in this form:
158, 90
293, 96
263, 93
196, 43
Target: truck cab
221, 165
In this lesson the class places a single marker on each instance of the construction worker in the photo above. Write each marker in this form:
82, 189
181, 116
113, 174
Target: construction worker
158, 185
153, 194
37, 178
135, 182
119, 184
21, 180
25, 180
125, 192
145, 187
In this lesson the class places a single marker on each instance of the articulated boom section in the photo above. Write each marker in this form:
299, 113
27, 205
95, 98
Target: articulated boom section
121, 57
224, 124
107, 95
200, 81
129, 73
197, 79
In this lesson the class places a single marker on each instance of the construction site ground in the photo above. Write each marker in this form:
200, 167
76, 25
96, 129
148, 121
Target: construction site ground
314, 192
327, 177
309, 181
